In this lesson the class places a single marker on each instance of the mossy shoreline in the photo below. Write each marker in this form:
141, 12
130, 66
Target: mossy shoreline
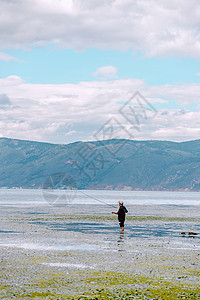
133, 218
101, 285
64, 263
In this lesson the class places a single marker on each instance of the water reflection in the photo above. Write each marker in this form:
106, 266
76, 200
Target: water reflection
120, 243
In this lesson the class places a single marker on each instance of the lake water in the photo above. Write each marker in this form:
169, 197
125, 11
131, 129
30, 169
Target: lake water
70, 216
171, 204
32, 197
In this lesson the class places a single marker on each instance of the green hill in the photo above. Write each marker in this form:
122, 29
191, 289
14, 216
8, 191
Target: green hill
111, 164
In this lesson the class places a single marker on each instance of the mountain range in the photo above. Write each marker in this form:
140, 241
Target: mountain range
112, 164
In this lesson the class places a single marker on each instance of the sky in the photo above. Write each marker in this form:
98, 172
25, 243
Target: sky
73, 70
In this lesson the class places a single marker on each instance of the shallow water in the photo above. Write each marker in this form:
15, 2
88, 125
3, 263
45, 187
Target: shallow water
64, 198
30, 209
42, 247
66, 245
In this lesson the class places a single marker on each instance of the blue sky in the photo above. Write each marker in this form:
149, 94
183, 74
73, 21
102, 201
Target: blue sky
52, 65
67, 67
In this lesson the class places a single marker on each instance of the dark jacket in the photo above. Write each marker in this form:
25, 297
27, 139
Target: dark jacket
122, 213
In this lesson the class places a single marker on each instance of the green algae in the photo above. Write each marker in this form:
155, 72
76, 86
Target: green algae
106, 285
110, 218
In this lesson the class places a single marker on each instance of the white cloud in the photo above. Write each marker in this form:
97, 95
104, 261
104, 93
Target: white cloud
6, 57
69, 112
11, 81
5, 102
106, 72
198, 74
154, 27
184, 94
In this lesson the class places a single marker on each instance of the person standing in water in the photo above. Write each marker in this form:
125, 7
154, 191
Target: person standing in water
121, 215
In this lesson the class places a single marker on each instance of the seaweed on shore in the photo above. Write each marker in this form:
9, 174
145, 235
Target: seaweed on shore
101, 286
90, 217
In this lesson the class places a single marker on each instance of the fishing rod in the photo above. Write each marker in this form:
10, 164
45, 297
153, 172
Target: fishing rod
97, 199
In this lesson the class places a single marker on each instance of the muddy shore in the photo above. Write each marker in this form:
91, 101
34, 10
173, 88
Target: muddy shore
79, 253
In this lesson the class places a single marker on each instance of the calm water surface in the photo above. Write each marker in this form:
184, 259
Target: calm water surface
43, 205
32, 197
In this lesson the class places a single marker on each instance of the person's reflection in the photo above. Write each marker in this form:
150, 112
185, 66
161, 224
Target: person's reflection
120, 243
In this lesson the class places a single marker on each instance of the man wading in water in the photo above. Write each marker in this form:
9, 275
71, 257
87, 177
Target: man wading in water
121, 215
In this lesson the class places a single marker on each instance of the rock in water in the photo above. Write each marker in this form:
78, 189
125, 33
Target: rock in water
192, 233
